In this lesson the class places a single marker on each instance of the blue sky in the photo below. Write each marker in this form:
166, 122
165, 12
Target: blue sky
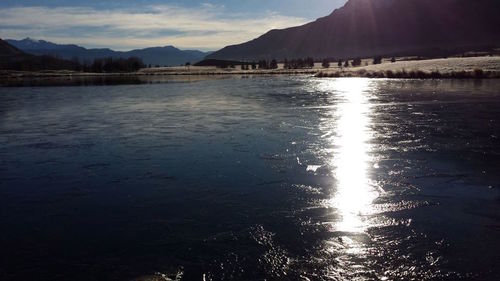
127, 24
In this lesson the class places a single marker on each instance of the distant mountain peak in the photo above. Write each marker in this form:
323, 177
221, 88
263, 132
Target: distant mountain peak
29, 39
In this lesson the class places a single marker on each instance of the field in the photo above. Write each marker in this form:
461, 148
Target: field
470, 67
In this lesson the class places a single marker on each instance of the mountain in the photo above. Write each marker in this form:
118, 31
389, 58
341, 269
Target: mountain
11, 58
197, 53
380, 27
7, 50
41, 47
168, 55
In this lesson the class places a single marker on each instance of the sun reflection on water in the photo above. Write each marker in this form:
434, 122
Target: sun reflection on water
354, 194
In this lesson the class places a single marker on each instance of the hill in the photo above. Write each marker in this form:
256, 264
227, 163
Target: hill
7, 50
381, 27
167, 55
12, 58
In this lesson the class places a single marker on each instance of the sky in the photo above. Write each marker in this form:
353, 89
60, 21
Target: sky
133, 24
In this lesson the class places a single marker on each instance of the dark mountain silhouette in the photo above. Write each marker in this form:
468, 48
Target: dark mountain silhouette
217, 63
168, 55
380, 27
11, 58
197, 53
7, 50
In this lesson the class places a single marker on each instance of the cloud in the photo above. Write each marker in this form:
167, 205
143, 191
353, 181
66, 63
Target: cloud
207, 26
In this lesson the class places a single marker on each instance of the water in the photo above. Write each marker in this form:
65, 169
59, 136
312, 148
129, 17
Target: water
277, 178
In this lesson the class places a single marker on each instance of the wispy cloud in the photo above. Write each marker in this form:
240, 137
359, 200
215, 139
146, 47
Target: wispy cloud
207, 26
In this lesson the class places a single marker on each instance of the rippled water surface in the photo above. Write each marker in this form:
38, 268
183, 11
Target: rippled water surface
277, 178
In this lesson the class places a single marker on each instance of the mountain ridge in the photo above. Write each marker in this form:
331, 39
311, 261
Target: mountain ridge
379, 27
167, 55
7, 50
11, 58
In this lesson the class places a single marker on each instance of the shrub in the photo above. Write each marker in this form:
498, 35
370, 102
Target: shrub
263, 64
361, 72
273, 64
478, 73
309, 62
325, 64
436, 75
356, 62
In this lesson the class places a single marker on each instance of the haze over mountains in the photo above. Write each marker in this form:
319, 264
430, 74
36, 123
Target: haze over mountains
364, 28
167, 55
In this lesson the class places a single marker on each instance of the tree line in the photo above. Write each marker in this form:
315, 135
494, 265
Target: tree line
26, 62
273, 64
306, 63
353, 62
109, 64
298, 63
261, 64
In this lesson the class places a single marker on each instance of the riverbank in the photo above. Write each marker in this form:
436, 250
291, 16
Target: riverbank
459, 68
163, 71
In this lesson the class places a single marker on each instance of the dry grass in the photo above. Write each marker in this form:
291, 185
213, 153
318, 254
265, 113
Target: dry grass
472, 67
440, 65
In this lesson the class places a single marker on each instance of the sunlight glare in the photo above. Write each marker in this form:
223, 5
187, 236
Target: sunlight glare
354, 193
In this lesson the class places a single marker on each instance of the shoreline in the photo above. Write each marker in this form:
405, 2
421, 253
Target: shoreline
69, 74
412, 74
449, 68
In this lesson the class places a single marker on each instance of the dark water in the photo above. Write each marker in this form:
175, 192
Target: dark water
276, 178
